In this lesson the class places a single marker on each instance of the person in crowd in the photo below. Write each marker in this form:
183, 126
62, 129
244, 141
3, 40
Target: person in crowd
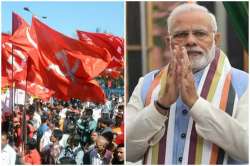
118, 158
86, 124
105, 114
43, 127
52, 145
32, 156
34, 117
73, 150
52, 151
45, 140
17, 131
62, 114
117, 128
105, 125
91, 145
8, 154
100, 155
109, 136
71, 129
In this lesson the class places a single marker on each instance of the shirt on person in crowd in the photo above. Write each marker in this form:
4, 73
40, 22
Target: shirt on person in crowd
33, 157
96, 159
8, 155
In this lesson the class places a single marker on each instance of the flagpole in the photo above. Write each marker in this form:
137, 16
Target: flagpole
12, 79
26, 95
25, 108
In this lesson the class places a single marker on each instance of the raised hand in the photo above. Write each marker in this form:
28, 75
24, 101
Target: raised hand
186, 82
169, 89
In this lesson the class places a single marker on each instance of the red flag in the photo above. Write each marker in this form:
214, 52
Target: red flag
76, 59
35, 85
23, 47
5, 78
14, 57
15, 60
17, 22
114, 44
67, 65
24, 39
34, 81
88, 91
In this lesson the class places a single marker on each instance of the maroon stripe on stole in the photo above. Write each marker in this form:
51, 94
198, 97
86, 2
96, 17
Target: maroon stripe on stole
210, 75
192, 145
162, 145
204, 93
144, 162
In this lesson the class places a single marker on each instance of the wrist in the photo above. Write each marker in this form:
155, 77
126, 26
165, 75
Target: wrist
164, 107
192, 102
164, 110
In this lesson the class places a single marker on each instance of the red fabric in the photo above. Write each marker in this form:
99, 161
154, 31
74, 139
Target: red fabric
60, 49
35, 85
19, 61
13, 57
17, 22
5, 37
67, 65
33, 158
24, 40
120, 138
112, 73
5, 80
87, 62
114, 44
21, 50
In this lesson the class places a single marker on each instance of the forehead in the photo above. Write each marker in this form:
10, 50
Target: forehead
191, 20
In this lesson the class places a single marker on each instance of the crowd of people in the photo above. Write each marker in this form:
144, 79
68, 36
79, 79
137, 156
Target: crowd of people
59, 132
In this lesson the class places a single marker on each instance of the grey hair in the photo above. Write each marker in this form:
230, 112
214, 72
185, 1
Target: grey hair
186, 7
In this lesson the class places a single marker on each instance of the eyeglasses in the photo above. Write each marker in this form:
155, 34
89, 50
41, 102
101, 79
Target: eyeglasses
200, 35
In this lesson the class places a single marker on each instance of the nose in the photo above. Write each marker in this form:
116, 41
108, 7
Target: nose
191, 40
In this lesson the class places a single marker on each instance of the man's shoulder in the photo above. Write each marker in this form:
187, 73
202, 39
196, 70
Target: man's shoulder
240, 81
93, 152
147, 80
240, 73
151, 73
9, 149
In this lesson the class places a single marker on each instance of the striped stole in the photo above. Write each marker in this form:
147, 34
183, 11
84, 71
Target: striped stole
216, 87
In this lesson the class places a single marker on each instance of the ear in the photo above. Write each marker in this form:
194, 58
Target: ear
217, 39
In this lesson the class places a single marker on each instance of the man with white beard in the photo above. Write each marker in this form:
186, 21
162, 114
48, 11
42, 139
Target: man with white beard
185, 112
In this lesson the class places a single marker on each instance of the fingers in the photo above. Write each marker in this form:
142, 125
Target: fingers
177, 53
172, 65
186, 61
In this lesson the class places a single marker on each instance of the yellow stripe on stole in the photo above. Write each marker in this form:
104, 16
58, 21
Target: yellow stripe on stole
216, 78
198, 152
211, 93
155, 150
223, 104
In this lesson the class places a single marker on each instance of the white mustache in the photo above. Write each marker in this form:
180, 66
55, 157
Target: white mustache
195, 49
